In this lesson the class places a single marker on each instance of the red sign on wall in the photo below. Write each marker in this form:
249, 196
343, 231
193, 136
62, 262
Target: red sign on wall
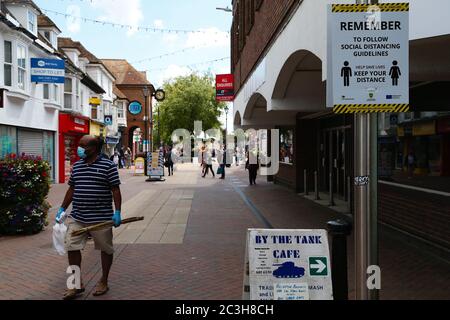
224, 87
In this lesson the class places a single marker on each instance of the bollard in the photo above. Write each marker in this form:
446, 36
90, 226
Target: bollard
338, 231
331, 204
316, 185
305, 182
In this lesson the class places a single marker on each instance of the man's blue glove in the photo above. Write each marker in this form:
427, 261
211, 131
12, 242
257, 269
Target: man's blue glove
117, 219
60, 214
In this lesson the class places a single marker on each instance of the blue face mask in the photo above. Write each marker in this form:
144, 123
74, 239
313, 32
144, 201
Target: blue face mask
82, 153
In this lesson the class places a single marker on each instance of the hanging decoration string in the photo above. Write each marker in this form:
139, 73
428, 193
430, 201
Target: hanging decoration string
130, 27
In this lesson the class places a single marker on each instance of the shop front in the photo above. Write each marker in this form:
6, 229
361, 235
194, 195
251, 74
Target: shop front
422, 142
40, 143
96, 129
443, 129
71, 129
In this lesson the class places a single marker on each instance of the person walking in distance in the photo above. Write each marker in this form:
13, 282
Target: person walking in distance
223, 161
93, 185
252, 166
208, 163
168, 161
128, 158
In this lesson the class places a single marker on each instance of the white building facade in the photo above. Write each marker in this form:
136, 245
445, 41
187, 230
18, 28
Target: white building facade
29, 111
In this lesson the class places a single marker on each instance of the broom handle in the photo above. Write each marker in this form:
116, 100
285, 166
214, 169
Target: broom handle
105, 225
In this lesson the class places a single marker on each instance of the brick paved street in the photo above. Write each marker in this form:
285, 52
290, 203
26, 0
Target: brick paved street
191, 245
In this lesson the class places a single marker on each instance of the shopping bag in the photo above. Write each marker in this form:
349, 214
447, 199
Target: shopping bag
220, 171
59, 235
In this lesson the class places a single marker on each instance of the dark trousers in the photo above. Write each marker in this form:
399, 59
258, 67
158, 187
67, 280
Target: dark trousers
209, 167
223, 170
170, 168
252, 173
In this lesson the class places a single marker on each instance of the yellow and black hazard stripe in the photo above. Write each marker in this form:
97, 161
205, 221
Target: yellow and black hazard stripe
382, 7
370, 108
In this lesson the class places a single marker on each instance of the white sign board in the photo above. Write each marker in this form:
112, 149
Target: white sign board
289, 265
368, 58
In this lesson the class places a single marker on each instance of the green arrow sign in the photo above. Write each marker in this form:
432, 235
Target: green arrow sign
318, 266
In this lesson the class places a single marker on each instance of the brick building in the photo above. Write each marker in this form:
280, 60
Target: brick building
131, 84
279, 61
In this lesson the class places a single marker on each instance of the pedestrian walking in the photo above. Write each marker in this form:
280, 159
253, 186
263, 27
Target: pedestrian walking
128, 158
121, 158
223, 162
252, 166
202, 156
92, 172
411, 163
116, 158
168, 162
208, 163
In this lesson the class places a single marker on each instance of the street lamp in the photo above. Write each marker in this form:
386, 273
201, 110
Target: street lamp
226, 120
146, 91
225, 9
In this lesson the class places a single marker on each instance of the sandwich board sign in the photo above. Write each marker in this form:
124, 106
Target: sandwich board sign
155, 164
368, 58
287, 265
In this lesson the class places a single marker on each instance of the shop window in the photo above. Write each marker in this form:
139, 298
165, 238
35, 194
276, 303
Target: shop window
8, 141
287, 146
21, 67
68, 90
7, 67
94, 113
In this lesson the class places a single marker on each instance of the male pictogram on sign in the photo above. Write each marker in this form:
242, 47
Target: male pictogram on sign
346, 73
395, 73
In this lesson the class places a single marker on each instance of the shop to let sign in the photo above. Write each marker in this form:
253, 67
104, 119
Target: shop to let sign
288, 265
47, 70
368, 58
224, 87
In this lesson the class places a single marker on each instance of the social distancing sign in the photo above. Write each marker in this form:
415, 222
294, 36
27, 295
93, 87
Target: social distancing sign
287, 265
368, 58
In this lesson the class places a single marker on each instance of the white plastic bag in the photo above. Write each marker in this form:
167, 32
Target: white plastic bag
59, 235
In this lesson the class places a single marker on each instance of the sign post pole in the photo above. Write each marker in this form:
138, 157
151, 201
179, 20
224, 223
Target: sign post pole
366, 197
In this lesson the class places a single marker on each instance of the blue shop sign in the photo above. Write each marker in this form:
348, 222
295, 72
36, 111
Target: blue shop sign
47, 70
135, 108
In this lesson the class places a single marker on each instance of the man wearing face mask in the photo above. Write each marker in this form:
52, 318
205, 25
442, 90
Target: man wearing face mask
94, 183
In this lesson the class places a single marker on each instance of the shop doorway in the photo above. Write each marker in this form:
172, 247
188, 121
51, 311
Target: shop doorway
334, 145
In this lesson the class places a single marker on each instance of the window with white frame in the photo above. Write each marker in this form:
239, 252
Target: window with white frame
51, 92
32, 21
21, 66
8, 65
46, 91
120, 110
68, 90
77, 94
56, 93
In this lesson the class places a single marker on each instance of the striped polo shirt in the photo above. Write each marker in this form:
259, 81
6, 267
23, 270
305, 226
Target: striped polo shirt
92, 198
